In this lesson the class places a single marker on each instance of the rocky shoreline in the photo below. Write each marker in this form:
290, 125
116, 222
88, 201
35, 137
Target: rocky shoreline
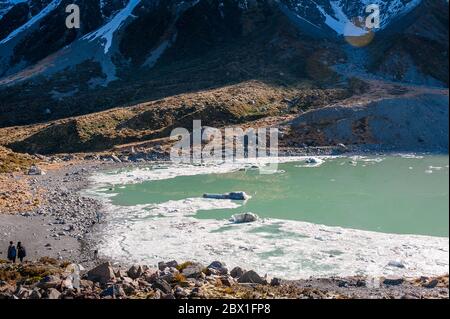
60, 229
50, 279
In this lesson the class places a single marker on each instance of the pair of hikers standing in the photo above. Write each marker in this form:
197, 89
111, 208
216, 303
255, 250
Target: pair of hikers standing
18, 252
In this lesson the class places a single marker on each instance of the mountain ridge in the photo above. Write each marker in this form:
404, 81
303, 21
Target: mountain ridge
128, 52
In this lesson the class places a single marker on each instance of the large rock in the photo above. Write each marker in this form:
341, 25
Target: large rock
150, 275
23, 293
219, 267
52, 293
171, 264
193, 271
162, 285
102, 273
393, 281
35, 294
251, 277
113, 291
275, 282
136, 271
237, 272
50, 281
34, 170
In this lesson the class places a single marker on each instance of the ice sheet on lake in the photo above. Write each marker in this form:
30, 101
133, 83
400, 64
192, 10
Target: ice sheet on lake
288, 249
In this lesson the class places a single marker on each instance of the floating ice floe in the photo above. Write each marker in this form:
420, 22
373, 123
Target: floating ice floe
312, 162
232, 196
244, 218
395, 263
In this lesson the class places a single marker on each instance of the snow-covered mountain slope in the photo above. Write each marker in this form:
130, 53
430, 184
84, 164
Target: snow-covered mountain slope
106, 32
344, 17
122, 42
6, 5
338, 16
44, 12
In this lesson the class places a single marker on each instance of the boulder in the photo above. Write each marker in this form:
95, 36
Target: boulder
129, 289
393, 281
23, 293
167, 276
219, 267
113, 291
163, 286
120, 273
251, 277
150, 276
86, 284
52, 293
275, 282
168, 296
35, 294
50, 281
193, 271
67, 283
227, 281
135, 272
432, 284
35, 170
102, 273
171, 264
180, 293
237, 272
244, 218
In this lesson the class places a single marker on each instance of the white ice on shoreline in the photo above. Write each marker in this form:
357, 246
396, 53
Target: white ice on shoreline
139, 175
288, 249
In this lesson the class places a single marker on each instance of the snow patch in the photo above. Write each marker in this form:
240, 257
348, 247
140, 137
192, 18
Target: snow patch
49, 8
107, 31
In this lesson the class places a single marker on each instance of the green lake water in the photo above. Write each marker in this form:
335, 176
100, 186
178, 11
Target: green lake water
395, 195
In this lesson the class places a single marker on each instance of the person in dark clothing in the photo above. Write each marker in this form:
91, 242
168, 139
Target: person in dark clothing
12, 252
21, 252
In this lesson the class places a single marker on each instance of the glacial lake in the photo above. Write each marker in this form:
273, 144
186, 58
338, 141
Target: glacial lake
393, 207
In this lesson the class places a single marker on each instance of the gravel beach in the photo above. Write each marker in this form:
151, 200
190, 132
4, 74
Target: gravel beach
57, 228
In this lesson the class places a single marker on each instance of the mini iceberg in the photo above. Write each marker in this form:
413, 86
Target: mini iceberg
244, 218
232, 196
313, 160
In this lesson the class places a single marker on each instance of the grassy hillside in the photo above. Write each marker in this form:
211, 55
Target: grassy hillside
229, 105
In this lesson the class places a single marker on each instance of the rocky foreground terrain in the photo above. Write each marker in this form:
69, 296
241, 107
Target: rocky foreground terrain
50, 279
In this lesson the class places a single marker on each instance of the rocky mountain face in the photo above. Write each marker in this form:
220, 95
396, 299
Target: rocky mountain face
415, 48
128, 51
